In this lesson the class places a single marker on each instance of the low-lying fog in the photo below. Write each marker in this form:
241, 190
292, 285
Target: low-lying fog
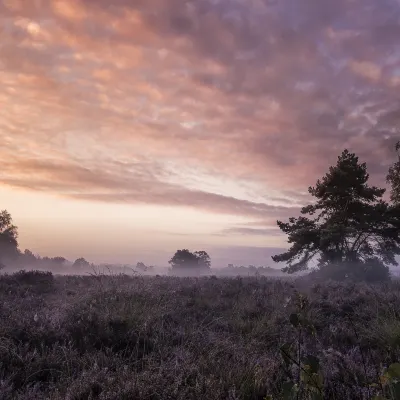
143, 270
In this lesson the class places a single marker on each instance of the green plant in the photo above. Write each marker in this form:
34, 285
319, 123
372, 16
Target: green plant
304, 376
389, 383
305, 379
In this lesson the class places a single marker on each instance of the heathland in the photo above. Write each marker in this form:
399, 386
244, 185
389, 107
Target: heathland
119, 337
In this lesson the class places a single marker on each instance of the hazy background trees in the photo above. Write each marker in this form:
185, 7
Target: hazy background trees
184, 261
8, 239
81, 263
349, 231
250, 270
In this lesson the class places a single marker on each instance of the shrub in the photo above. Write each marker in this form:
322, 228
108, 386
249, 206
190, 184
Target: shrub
371, 271
30, 281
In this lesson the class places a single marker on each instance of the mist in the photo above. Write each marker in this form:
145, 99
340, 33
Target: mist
68, 268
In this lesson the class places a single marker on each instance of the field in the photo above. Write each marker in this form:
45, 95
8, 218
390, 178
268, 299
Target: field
117, 337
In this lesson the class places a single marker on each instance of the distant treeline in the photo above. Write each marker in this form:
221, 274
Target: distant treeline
27, 260
250, 270
349, 231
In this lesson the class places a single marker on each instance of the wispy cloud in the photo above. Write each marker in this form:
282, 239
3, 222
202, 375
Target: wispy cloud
135, 183
266, 232
99, 99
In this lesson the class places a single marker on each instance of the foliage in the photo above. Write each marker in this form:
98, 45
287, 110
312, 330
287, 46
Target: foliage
251, 270
59, 260
80, 263
8, 238
32, 277
393, 178
305, 379
204, 259
28, 256
389, 383
371, 271
349, 223
141, 266
23, 282
308, 384
184, 259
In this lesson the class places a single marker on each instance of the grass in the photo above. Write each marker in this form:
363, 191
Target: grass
118, 337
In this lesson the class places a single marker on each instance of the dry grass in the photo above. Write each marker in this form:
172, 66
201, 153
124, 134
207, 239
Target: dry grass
185, 338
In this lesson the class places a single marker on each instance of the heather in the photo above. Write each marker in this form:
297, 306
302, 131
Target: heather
120, 337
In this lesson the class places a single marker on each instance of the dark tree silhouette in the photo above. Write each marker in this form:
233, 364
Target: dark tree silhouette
349, 225
184, 259
59, 260
80, 263
393, 178
8, 238
141, 266
29, 257
204, 259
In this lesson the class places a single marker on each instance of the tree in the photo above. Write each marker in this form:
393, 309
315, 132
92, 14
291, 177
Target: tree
350, 227
184, 259
29, 257
204, 259
81, 263
141, 266
393, 178
59, 260
8, 238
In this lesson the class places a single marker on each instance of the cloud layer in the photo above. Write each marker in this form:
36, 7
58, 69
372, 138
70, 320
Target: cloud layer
228, 106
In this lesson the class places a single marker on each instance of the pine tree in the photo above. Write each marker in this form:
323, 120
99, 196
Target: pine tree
350, 227
393, 178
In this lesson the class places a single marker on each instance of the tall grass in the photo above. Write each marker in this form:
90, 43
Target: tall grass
119, 337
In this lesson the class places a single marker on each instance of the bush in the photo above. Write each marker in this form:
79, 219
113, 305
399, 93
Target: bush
369, 271
36, 281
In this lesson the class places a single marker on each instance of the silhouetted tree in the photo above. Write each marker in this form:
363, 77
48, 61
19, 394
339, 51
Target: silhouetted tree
141, 266
350, 225
80, 263
204, 259
46, 262
59, 260
29, 257
393, 178
184, 259
8, 238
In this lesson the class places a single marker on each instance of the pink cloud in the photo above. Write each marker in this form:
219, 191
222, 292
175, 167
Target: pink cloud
256, 91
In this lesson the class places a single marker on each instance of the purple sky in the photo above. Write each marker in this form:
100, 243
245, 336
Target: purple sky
133, 129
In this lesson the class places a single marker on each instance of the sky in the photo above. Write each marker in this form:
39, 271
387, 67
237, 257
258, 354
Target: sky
130, 129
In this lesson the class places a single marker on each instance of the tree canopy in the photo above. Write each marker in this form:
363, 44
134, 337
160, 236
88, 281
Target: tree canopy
141, 266
8, 238
186, 259
393, 178
80, 263
349, 223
